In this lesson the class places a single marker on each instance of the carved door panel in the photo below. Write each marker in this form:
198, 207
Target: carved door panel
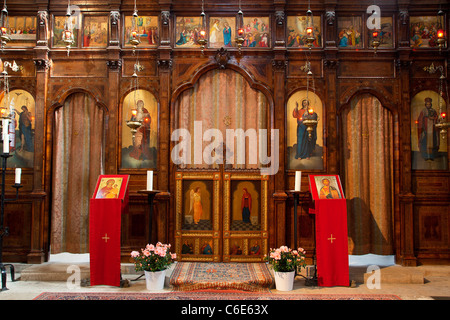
221, 216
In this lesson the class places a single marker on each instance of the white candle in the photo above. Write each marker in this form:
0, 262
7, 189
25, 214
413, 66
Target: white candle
298, 180
5, 144
5, 127
18, 173
149, 180
5, 135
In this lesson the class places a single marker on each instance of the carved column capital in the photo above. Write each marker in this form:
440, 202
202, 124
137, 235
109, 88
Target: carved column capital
165, 16
330, 17
331, 63
279, 17
402, 64
42, 28
114, 15
403, 14
279, 65
165, 64
222, 57
114, 64
42, 64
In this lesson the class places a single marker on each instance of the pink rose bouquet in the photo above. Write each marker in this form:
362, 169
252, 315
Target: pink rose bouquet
284, 259
153, 258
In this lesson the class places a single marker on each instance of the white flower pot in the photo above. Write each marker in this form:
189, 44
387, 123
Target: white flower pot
155, 280
284, 281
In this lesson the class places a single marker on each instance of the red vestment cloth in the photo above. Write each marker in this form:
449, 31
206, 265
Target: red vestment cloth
104, 240
331, 242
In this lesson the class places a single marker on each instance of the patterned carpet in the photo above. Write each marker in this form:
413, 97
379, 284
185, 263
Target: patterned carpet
188, 276
205, 295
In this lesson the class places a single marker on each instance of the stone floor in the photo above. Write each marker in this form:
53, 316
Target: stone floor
408, 283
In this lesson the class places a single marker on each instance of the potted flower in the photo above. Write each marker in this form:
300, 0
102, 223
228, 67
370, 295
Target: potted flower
285, 262
154, 260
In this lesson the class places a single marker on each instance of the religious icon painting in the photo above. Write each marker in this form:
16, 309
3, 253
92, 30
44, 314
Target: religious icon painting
58, 28
139, 149
147, 29
187, 246
111, 187
350, 32
385, 33
245, 205
236, 247
326, 187
21, 106
206, 247
296, 31
197, 205
22, 31
304, 149
256, 32
187, 32
222, 32
255, 247
423, 31
428, 146
95, 31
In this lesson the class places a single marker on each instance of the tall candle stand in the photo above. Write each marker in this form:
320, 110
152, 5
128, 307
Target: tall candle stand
150, 197
4, 231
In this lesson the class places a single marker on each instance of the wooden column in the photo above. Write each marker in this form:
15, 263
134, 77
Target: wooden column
163, 173
406, 230
40, 220
114, 63
278, 219
331, 64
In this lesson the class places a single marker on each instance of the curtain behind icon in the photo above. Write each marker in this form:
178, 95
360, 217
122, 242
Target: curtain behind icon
77, 162
367, 142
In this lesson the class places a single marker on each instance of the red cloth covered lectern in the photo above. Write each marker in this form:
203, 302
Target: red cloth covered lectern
331, 230
109, 202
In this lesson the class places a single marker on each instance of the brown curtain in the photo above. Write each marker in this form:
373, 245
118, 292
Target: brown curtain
77, 162
223, 99
368, 179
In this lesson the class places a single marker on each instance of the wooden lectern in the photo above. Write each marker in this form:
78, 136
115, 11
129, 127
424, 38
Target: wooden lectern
331, 230
109, 202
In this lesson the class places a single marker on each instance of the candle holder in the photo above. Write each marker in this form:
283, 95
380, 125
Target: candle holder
4, 231
134, 125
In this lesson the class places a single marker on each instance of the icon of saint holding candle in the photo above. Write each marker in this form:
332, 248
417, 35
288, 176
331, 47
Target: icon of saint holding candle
305, 143
141, 143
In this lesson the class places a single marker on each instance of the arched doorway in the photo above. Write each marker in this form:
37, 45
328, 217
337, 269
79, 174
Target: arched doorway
77, 160
367, 164
221, 198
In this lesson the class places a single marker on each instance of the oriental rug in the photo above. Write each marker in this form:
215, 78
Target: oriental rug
188, 276
208, 295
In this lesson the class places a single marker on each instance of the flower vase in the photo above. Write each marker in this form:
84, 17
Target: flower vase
155, 280
284, 281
